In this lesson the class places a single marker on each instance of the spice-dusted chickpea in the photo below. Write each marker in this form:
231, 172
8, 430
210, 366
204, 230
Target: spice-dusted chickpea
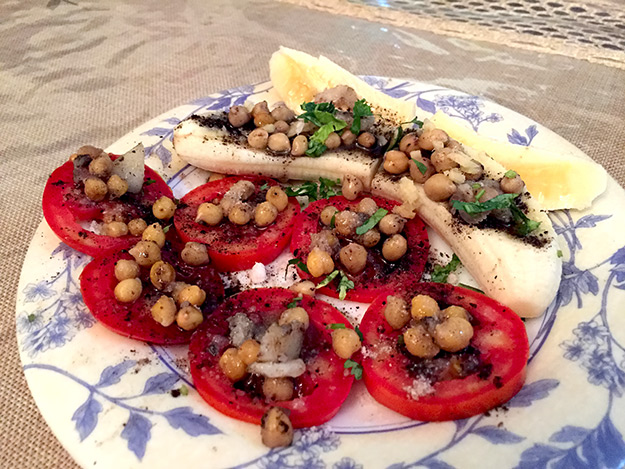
162, 274
367, 206
277, 197
265, 214
346, 223
353, 257
300, 145
352, 187
258, 138
394, 247
137, 226
442, 161
260, 108
396, 312
319, 263
215, 177
128, 290
95, 189
101, 166
164, 311
304, 287
420, 172
282, 113
115, 229
278, 389
345, 342
512, 185
281, 127
248, 351
333, 141
189, 317
453, 334
155, 233
439, 187
232, 365
164, 208
276, 428
454, 312
146, 253
348, 138
366, 140
116, 186
298, 314
432, 138
192, 294
125, 268
419, 343
195, 254
175, 288
424, 306
391, 224
279, 143
326, 215
395, 162
263, 119
369, 238
238, 116
241, 213
210, 214
409, 143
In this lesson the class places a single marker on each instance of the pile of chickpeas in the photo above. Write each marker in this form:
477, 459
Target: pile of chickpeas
235, 206
428, 329
278, 130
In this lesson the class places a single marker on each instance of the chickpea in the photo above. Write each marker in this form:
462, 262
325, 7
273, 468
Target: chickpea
409, 143
394, 247
396, 312
176, 288
116, 229
164, 311
304, 287
391, 224
262, 119
277, 197
189, 317
395, 162
297, 314
146, 253
489, 193
454, 312
346, 223
424, 306
155, 233
512, 185
215, 177
300, 145
248, 351
265, 214
348, 138
366, 140
232, 365
282, 113
326, 215
333, 141
195, 254
369, 239
419, 343
210, 214
162, 274
95, 189
345, 342
258, 139
125, 268
453, 334
137, 226
276, 428
101, 166
325, 240
112, 215
238, 116
281, 127
432, 138
278, 389
116, 186
319, 263
260, 108
89, 150
128, 290
354, 258
441, 160
352, 187
192, 294
415, 170
439, 188
241, 213
164, 208
279, 143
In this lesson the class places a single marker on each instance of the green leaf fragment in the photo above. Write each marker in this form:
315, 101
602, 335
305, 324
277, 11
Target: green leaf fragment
479, 195
336, 325
440, 273
345, 284
328, 279
361, 109
184, 390
264, 187
372, 221
356, 368
560, 253
420, 166
32, 317
510, 174
464, 285
149, 181
362, 337
298, 263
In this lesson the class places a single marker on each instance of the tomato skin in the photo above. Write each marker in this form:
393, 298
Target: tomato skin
64, 205
231, 247
134, 320
370, 283
500, 337
325, 378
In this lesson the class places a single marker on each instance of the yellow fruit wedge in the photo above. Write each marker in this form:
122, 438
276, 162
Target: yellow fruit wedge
298, 77
556, 181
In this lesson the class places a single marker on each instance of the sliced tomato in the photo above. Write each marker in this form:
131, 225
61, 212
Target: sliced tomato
235, 247
320, 391
379, 275
65, 206
134, 320
499, 344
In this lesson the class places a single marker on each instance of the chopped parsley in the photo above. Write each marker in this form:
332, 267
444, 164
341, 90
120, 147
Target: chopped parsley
356, 368
333, 220
166, 229
441, 272
372, 221
510, 174
397, 135
298, 263
523, 225
294, 303
325, 189
420, 166
559, 254
147, 182
357, 329
345, 283
336, 325
322, 115
361, 109
264, 187
32, 317
328, 279
464, 285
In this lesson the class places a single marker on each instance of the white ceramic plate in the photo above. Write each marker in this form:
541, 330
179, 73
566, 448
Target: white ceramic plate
109, 399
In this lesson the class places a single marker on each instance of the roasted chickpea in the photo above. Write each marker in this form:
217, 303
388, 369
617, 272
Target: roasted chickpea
345, 342
210, 214
189, 317
278, 389
424, 306
232, 365
262, 119
369, 239
454, 312
195, 254
326, 215
282, 113
164, 208
101, 166
279, 143
128, 290
155, 233
367, 206
281, 127
433, 138
391, 224
453, 334
395, 162
146, 253
89, 150
319, 263
333, 141
300, 145
396, 312
354, 258
258, 138
409, 143
439, 187
241, 213
366, 140
248, 351
297, 314
164, 311
95, 189
162, 274
512, 185
238, 116
346, 223
276, 428
394, 247
277, 197
304, 287
348, 138
442, 161
116, 186
352, 187
265, 214
416, 173
175, 288
419, 343
125, 268
192, 294
137, 226
260, 108
115, 229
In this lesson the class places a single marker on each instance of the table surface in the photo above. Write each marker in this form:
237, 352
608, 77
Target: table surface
87, 72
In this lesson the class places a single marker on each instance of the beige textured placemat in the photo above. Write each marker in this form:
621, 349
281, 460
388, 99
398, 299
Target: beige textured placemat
90, 72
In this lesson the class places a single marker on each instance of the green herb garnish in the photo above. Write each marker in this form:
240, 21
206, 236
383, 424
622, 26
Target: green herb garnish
166, 229
356, 368
147, 182
476, 185
415, 121
464, 285
322, 115
184, 390
357, 329
345, 284
336, 325
420, 166
294, 303
479, 195
441, 272
328, 279
510, 174
523, 225
560, 253
264, 187
325, 189
333, 220
397, 136
32, 317
298, 263
372, 221
361, 109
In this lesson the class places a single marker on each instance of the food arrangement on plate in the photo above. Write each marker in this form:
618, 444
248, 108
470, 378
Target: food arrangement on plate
375, 176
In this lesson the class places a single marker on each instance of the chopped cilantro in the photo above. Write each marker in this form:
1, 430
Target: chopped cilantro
344, 285
372, 221
328, 279
336, 325
294, 303
559, 255
322, 115
308, 189
147, 182
298, 263
523, 225
510, 174
166, 229
441, 272
325, 189
361, 109
479, 195
464, 285
333, 220
356, 368
420, 166
264, 187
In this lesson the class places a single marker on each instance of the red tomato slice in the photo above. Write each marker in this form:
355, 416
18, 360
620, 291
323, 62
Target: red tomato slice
235, 247
320, 390
499, 337
134, 320
65, 205
379, 275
